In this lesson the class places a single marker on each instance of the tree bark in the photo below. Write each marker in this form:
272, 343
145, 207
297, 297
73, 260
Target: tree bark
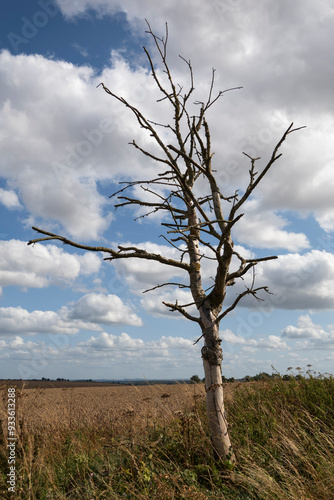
212, 356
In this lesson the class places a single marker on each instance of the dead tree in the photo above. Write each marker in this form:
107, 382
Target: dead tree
196, 225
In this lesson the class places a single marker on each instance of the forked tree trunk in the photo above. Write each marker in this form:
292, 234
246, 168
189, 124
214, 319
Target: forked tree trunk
212, 356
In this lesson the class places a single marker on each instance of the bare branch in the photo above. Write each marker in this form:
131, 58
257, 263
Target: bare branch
253, 183
180, 309
225, 233
179, 285
220, 93
123, 252
144, 123
243, 269
163, 180
248, 291
196, 341
66, 241
150, 155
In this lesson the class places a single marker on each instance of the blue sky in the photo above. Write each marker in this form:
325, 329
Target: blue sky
64, 148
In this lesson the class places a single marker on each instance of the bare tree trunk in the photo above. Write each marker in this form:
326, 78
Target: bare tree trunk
212, 356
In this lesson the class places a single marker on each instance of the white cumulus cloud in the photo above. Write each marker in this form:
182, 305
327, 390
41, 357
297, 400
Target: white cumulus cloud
262, 229
272, 342
90, 312
39, 265
310, 335
300, 281
9, 199
16, 320
105, 309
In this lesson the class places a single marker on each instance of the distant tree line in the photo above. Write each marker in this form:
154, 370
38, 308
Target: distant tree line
57, 379
260, 376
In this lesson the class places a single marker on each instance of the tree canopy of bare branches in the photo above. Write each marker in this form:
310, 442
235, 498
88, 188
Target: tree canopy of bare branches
199, 227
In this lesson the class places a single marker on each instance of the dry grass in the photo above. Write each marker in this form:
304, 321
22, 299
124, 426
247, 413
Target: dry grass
136, 407
120, 406
152, 442
55, 422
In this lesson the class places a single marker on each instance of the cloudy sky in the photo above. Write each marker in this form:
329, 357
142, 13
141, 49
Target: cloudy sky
64, 149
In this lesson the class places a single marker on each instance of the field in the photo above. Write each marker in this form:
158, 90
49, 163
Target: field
96, 441
73, 405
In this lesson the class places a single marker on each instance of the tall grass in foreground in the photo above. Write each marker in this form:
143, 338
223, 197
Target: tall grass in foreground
282, 431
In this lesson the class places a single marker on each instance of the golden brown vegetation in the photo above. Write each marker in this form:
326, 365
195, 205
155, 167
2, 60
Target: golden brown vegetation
121, 407
152, 442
